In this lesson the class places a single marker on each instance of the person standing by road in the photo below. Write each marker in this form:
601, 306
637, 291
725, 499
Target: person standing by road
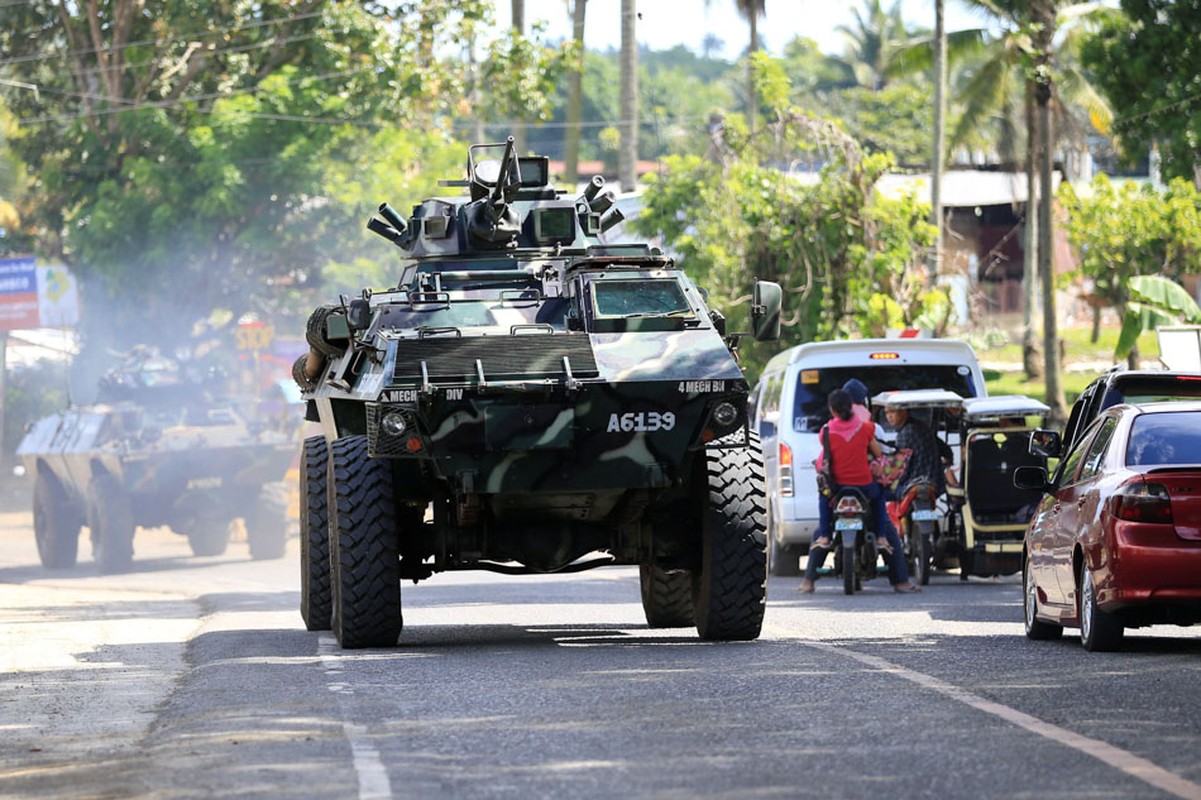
850, 441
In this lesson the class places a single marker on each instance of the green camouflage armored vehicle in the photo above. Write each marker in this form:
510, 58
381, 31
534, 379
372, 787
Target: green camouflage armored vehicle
529, 400
155, 450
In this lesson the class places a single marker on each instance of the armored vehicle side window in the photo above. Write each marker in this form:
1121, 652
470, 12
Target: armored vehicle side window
640, 298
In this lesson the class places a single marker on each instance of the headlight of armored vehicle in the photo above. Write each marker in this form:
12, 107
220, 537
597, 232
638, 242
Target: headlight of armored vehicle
725, 414
393, 423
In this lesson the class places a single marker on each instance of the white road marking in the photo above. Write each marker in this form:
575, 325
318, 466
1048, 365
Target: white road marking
1129, 763
368, 766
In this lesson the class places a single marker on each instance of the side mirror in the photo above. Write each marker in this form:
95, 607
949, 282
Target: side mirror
358, 314
1031, 478
766, 301
1045, 443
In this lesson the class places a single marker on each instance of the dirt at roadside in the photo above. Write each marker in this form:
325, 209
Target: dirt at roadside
16, 494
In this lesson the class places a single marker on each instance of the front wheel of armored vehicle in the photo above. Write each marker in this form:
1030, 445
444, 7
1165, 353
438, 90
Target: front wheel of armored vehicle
56, 523
267, 525
364, 546
316, 603
729, 591
666, 597
110, 517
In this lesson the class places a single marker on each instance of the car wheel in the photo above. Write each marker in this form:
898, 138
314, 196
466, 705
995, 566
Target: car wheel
782, 560
1099, 631
1035, 628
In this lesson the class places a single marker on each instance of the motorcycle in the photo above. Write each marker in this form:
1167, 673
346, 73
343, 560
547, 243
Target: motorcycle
917, 523
856, 550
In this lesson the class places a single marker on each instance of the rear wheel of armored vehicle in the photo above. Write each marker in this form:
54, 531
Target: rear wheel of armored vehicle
364, 546
666, 597
316, 601
729, 591
110, 517
55, 523
267, 524
208, 534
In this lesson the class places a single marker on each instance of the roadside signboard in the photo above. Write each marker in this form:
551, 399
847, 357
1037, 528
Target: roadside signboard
34, 296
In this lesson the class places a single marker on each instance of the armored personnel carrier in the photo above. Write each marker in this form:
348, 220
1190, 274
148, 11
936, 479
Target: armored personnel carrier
529, 399
155, 450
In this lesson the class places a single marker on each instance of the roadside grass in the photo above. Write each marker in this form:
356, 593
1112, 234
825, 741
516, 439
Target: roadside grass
1083, 361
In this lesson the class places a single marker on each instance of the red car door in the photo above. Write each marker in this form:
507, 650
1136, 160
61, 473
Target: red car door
1079, 513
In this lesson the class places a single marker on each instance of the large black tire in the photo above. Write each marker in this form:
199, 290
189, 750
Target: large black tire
267, 525
729, 592
56, 523
1099, 631
314, 332
316, 600
364, 546
110, 517
1035, 628
849, 579
666, 597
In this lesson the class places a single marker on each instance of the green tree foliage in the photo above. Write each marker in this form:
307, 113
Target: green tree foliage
1147, 64
1131, 230
848, 258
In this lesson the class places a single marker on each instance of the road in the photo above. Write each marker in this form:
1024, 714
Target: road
194, 677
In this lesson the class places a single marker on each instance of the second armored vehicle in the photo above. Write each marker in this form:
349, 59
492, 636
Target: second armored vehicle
155, 450
529, 400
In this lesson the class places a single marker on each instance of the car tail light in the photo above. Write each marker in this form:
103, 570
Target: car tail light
1142, 502
785, 473
848, 504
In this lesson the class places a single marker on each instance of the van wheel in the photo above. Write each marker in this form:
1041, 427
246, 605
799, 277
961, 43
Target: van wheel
781, 559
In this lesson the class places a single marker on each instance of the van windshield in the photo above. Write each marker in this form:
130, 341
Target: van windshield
815, 385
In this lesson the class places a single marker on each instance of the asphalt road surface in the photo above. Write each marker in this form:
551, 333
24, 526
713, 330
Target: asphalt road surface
194, 678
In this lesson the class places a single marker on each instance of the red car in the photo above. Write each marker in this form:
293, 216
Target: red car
1116, 541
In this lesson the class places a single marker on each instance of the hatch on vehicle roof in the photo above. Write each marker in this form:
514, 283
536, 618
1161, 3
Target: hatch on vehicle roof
918, 398
984, 409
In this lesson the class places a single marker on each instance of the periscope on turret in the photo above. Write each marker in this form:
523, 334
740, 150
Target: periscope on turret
529, 399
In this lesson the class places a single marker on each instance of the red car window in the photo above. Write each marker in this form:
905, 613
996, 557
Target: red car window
1166, 438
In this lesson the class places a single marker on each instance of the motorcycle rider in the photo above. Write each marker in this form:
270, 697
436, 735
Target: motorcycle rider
927, 451
850, 440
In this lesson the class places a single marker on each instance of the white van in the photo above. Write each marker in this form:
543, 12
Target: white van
789, 407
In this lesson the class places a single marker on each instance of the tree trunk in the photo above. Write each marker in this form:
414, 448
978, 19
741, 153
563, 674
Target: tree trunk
752, 101
1032, 356
1045, 16
571, 146
627, 154
518, 13
940, 133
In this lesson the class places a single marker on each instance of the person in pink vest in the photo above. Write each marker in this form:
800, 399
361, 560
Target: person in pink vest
851, 440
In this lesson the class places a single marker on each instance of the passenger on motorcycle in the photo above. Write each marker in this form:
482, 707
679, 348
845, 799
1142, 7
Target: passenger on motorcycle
849, 440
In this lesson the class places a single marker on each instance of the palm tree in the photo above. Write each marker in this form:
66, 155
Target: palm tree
751, 10
571, 145
627, 155
875, 43
1033, 66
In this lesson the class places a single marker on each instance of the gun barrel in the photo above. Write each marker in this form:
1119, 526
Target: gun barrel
393, 217
377, 225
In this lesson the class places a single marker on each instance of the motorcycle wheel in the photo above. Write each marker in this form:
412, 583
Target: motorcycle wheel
849, 576
920, 556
